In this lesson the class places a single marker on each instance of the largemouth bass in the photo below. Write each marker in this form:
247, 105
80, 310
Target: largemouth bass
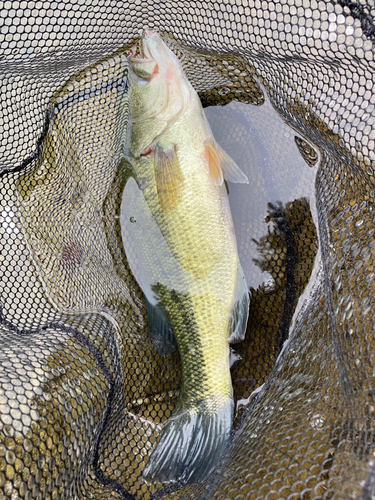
179, 238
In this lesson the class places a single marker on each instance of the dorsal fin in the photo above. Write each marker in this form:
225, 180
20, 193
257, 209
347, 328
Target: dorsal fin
160, 330
168, 177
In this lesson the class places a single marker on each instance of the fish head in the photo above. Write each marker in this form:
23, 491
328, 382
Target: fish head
150, 57
159, 91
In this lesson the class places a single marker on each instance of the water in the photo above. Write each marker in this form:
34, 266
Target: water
267, 153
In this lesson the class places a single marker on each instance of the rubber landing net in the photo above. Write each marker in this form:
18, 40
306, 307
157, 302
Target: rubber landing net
83, 393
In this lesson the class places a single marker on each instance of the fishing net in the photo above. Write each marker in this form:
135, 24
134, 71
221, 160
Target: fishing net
83, 392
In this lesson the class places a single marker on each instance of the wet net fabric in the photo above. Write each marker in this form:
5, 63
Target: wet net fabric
83, 392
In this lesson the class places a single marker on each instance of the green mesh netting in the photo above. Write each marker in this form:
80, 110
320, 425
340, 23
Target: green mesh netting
83, 392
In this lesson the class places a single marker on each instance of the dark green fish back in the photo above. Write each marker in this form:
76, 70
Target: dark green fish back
83, 391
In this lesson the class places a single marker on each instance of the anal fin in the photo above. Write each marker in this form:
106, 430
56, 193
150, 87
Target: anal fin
240, 311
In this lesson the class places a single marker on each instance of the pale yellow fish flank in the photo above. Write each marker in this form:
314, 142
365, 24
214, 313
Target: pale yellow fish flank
186, 251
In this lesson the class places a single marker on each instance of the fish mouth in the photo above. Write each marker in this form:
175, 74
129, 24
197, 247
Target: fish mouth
140, 49
145, 69
143, 64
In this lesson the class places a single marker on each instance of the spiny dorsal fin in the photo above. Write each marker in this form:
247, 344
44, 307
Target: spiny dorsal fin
221, 164
168, 177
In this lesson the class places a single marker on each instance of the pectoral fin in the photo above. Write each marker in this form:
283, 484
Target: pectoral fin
214, 163
168, 178
221, 165
240, 311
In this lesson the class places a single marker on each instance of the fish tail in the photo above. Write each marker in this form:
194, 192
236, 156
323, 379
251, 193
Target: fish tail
191, 444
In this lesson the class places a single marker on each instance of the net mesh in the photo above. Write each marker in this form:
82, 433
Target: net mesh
83, 393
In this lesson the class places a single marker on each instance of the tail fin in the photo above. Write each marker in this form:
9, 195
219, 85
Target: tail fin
191, 444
